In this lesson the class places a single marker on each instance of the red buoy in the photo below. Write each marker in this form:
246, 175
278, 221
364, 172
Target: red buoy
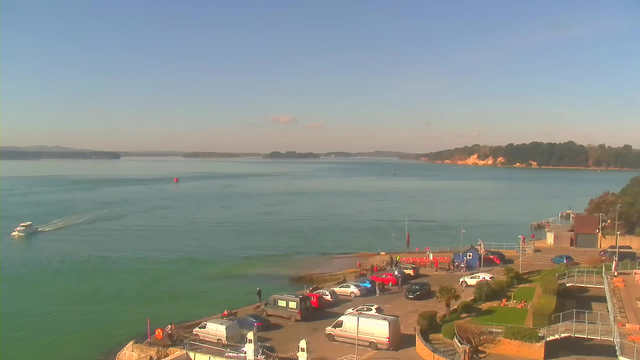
175, 180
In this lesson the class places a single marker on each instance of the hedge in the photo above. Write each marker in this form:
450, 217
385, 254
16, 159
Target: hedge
448, 330
428, 321
519, 333
541, 311
465, 307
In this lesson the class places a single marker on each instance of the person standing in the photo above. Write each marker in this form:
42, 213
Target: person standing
377, 288
259, 295
400, 281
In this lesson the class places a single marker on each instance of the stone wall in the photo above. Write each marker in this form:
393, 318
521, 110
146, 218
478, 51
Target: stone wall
518, 349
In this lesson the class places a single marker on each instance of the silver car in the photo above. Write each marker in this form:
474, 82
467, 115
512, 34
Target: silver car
349, 289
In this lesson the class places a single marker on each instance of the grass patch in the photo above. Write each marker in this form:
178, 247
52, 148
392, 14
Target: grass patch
525, 292
502, 315
543, 308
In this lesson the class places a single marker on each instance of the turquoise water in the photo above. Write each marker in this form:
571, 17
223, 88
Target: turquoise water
125, 243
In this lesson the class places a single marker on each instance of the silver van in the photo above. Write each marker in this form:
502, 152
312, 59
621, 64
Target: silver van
375, 331
219, 330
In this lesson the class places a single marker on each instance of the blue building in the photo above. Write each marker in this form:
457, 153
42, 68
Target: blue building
471, 254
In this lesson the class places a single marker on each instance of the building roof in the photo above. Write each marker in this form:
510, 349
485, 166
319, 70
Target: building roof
586, 224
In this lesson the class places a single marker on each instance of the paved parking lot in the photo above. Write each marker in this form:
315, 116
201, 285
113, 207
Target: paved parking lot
286, 334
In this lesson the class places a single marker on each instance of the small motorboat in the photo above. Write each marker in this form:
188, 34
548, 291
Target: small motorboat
24, 229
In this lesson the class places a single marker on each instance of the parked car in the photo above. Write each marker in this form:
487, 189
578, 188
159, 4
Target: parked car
293, 307
398, 272
219, 330
329, 295
418, 290
494, 256
622, 255
613, 248
562, 259
349, 289
375, 331
253, 321
473, 279
317, 301
410, 270
265, 352
386, 278
366, 309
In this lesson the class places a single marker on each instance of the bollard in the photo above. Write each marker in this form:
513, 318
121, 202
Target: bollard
251, 346
303, 350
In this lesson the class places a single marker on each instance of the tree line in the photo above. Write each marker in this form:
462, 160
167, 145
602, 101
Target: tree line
567, 154
627, 202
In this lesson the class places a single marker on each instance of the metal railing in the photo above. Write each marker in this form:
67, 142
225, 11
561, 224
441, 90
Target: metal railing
582, 277
580, 323
624, 349
446, 351
526, 248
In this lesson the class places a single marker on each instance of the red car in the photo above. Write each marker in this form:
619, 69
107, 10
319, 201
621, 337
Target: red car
386, 278
317, 301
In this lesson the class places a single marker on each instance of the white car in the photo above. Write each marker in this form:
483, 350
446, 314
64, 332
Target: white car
352, 290
328, 295
366, 309
472, 280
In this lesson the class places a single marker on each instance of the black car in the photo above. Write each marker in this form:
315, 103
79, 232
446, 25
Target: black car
418, 290
613, 248
622, 255
253, 321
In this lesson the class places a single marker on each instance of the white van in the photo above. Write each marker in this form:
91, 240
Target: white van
375, 331
219, 330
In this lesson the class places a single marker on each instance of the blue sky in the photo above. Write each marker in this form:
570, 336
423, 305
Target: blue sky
318, 76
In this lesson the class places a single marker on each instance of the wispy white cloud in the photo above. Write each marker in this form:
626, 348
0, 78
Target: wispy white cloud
283, 119
317, 125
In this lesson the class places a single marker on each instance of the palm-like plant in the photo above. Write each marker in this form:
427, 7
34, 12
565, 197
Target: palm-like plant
447, 294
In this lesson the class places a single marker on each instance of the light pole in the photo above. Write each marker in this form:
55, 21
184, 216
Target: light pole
520, 238
616, 231
357, 331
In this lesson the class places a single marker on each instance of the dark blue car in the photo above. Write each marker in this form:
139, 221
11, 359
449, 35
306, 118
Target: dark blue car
562, 259
253, 321
368, 284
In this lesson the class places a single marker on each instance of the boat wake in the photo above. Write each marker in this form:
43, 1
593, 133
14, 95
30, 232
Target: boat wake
66, 222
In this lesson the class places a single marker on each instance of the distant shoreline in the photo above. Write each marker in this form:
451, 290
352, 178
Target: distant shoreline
526, 167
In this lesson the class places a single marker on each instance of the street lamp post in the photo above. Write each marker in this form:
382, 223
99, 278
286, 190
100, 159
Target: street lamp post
357, 331
616, 231
520, 241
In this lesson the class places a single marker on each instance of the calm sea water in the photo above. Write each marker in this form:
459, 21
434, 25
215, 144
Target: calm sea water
125, 243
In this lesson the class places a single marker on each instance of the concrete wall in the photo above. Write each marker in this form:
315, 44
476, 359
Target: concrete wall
634, 241
518, 349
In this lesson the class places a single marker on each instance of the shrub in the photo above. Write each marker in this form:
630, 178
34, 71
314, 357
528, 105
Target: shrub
499, 288
465, 307
483, 291
542, 310
519, 333
428, 321
451, 318
512, 276
448, 330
